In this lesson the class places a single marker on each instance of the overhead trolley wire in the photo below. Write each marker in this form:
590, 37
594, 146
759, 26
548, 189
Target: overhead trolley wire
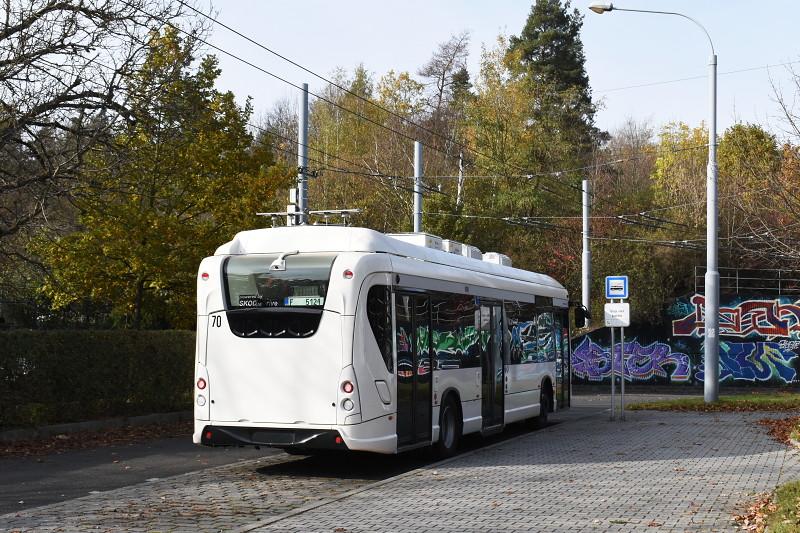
548, 174
551, 175
367, 172
698, 77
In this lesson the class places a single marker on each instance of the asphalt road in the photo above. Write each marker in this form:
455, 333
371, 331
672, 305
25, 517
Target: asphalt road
33, 481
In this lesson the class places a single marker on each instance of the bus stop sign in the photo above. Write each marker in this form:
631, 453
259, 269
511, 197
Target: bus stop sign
616, 287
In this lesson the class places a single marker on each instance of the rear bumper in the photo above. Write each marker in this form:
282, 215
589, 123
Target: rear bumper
310, 439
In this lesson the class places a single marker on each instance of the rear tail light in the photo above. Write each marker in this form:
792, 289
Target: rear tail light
201, 383
347, 387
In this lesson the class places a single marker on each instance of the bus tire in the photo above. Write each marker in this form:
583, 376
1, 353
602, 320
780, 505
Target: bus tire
544, 408
449, 428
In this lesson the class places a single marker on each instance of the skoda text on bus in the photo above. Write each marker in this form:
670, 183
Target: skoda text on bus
325, 337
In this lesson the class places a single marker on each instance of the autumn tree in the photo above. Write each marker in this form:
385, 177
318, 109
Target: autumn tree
182, 178
64, 72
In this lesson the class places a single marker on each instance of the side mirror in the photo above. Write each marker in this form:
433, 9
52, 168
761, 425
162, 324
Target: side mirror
581, 315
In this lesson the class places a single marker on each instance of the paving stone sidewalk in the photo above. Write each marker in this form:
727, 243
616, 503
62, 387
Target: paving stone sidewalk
656, 472
212, 500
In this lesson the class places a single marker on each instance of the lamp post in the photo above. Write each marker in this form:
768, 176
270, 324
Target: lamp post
711, 338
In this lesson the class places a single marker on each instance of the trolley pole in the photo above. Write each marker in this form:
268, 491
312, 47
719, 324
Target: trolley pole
417, 187
586, 255
302, 159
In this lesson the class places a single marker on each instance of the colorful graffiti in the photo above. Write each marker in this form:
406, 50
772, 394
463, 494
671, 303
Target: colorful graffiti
754, 361
763, 318
592, 361
739, 362
759, 345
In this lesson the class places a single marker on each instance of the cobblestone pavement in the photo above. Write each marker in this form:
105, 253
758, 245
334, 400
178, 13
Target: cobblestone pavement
214, 499
656, 472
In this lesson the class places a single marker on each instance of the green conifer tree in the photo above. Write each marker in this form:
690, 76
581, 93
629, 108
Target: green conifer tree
548, 54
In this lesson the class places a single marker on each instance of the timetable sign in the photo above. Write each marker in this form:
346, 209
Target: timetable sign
617, 315
616, 287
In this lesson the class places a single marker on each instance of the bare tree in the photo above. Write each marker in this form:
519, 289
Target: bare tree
632, 145
450, 57
64, 69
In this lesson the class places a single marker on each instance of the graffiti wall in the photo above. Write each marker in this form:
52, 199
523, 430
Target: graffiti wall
759, 345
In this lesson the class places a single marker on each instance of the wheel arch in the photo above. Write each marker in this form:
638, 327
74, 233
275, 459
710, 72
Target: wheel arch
547, 388
452, 392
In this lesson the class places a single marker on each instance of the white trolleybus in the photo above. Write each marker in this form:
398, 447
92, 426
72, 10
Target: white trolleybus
324, 337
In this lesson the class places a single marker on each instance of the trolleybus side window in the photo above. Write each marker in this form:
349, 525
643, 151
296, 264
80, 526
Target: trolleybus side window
545, 341
527, 332
379, 314
448, 332
513, 333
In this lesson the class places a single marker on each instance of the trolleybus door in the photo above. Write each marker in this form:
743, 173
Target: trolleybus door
412, 318
563, 362
492, 365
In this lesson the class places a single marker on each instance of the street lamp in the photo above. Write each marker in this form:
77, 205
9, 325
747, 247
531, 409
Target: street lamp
711, 340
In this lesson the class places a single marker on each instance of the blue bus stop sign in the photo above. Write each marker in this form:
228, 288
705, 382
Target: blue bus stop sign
616, 287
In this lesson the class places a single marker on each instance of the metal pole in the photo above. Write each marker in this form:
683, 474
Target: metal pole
622, 384
417, 187
460, 186
613, 385
711, 344
586, 255
711, 340
302, 158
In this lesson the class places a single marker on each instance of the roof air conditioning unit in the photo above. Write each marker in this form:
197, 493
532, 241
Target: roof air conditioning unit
497, 259
426, 240
473, 252
453, 247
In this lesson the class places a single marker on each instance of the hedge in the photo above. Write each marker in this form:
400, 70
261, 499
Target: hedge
55, 376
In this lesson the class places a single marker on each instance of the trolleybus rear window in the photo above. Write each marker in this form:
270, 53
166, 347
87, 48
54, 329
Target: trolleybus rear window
265, 302
250, 283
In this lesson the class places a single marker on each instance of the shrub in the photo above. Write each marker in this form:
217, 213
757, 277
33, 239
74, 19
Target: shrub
53, 376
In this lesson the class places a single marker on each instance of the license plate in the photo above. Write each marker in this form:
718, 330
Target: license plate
304, 301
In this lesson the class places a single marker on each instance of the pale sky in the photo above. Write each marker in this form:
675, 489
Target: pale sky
622, 49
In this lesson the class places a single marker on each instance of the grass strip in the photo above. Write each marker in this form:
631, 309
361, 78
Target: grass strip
786, 516
774, 401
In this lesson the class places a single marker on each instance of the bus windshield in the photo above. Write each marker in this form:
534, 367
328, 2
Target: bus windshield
249, 282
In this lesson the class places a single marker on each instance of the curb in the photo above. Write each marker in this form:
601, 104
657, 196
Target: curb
43, 432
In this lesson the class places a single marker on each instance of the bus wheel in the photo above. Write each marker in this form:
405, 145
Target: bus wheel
544, 408
449, 428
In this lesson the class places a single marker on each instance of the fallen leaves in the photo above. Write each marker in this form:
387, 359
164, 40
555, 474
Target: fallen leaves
95, 439
755, 518
780, 429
